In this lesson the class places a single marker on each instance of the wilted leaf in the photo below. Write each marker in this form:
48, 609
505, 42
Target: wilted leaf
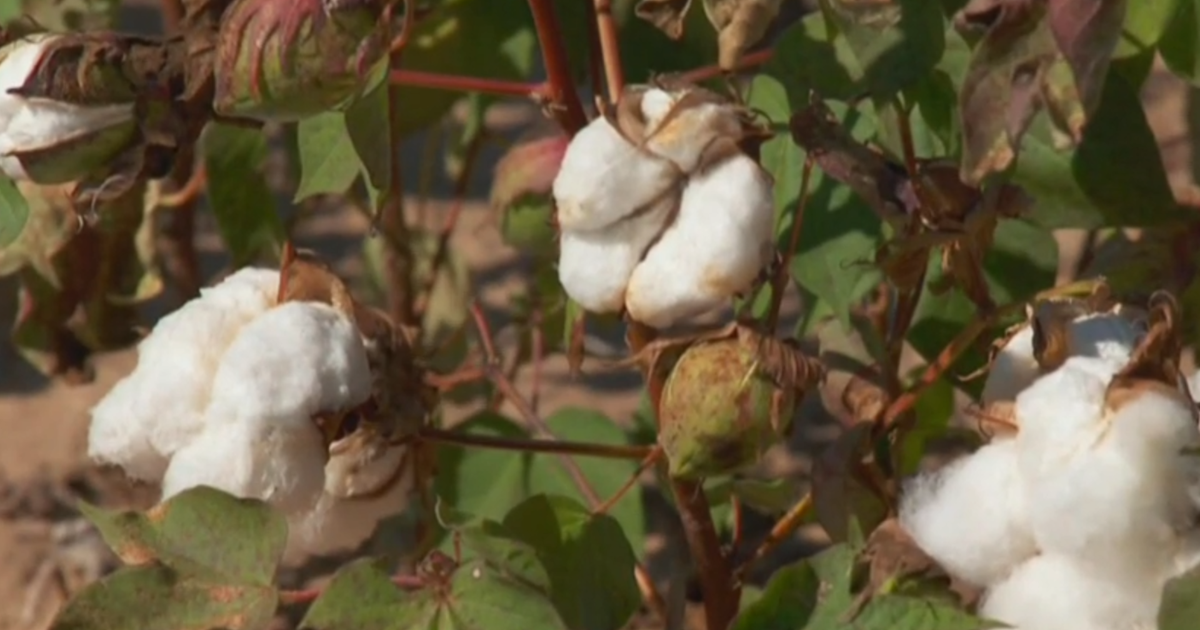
896, 42
666, 15
51, 223
14, 213
588, 560
200, 531
238, 192
740, 24
159, 597
1087, 32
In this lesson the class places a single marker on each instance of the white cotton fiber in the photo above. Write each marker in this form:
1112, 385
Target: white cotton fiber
1013, 369
603, 179
716, 247
1054, 592
1105, 488
594, 267
296, 360
159, 407
970, 516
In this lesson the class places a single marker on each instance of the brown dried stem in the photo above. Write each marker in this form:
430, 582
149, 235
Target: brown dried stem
779, 533
180, 261
456, 83
563, 98
779, 280
610, 49
398, 259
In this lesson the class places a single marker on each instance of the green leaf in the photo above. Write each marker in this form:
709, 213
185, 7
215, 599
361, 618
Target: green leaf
934, 409
14, 212
819, 594
488, 482
589, 562
1180, 607
773, 497
1179, 45
199, 531
1145, 24
361, 596
368, 125
159, 597
238, 193
807, 59
328, 162
896, 44
839, 235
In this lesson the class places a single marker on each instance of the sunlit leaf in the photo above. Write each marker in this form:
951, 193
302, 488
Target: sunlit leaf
238, 192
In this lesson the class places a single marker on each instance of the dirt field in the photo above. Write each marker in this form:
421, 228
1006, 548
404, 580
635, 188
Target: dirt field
43, 425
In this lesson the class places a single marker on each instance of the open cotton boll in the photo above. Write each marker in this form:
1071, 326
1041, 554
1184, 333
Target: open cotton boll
682, 135
159, 407
1104, 335
296, 360
594, 267
1013, 369
1107, 488
971, 515
278, 461
361, 463
717, 245
603, 179
1054, 592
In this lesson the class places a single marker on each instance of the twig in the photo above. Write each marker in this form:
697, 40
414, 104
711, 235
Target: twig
652, 458
606, 29
595, 56
779, 532
401, 40
564, 100
752, 60
537, 348
454, 83
398, 259
779, 281
547, 446
443, 245
180, 261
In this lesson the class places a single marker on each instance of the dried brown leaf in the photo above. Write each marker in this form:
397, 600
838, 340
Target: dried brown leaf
1087, 32
667, 16
740, 24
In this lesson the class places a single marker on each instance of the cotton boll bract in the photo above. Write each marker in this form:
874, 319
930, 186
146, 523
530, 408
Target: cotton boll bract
971, 515
680, 131
594, 267
1054, 592
603, 179
717, 245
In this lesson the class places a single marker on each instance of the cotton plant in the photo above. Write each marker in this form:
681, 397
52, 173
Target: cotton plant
1079, 518
231, 391
661, 213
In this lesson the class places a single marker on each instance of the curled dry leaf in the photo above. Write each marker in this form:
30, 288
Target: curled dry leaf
1087, 32
740, 24
666, 15
1156, 358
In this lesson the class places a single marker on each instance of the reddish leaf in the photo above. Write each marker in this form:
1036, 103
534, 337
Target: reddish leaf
1087, 32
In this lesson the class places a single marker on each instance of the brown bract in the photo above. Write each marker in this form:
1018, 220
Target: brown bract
1155, 361
739, 23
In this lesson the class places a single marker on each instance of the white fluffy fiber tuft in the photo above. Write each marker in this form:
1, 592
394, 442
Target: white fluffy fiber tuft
971, 516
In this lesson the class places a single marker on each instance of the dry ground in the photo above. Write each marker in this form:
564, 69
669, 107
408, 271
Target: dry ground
43, 425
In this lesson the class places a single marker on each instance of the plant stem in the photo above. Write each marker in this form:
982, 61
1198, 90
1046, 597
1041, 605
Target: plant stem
781, 530
564, 99
398, 259
457, 83
752, 60
779, 281
551, 447
180, 260
309, 595
610, 48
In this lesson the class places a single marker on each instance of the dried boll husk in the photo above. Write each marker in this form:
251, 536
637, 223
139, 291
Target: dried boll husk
690, 126
715, 248
594, 267
728, 399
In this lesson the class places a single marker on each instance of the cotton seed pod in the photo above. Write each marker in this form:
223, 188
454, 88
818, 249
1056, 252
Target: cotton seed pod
594, 267
49, 141
979, 542
1104, 470
687, 124
521, 192
285, 60
720, 411
718, 244
603, 179
1054, 592
1108, 335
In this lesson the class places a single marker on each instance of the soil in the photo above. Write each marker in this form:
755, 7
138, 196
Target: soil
48, 550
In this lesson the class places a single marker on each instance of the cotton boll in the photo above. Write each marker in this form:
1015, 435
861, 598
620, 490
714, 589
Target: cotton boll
1108, 489
281, 463
680, 131
594, 267
1013, 369
603, 179
361, 463
119, 433
339, 524
717, 245
1053, 592
971, 516
292, 362
1104, 335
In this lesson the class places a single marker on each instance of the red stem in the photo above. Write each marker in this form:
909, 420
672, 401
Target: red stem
564, 100
610, 48
458, 83
752, 60
779, 281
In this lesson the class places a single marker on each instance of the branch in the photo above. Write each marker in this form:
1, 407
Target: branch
610, 49
553, 447
564, 100
180, 260
458, 83
779, 280
747, 62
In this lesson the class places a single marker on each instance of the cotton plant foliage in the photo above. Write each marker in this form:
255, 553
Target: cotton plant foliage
661, 213
1079, 518
226, 393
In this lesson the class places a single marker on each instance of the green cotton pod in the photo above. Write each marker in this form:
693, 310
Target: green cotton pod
720, 412
286, 60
